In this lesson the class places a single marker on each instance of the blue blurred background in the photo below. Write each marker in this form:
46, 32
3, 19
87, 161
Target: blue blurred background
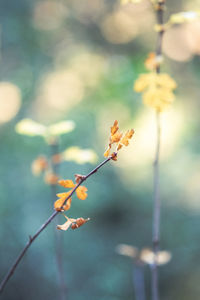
77, 60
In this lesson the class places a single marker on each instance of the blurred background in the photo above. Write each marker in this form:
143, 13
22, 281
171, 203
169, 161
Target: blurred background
77, 60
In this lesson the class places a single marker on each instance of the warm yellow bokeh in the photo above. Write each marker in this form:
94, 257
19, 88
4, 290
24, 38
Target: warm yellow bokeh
10, 101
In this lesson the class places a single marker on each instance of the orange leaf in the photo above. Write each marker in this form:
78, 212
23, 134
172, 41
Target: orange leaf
59, 203
127, 136
107, 152
114, 128
68, 204
116, 137
66, 183
81, 192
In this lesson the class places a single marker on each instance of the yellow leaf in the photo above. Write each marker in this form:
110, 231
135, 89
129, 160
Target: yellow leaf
61, 127
81, 192
80, 156
183, 17
58, 204
128, 135
30, 127
116, 137
66, 183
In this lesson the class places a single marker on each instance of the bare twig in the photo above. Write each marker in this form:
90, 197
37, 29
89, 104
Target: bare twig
48, 221
156, 192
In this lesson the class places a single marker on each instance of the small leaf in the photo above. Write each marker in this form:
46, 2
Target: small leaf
38, 165
58, 204
127, 250
79, 222
124, 2
65, 226
61, 127
66, 183
148, 256
128, 135
80, 156
116, 137
51, 178
81, 192
30, 128
107, 152
114, 128
183, 17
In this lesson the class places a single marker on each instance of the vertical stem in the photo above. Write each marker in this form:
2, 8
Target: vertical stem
156, 189
54, 147
138, 281
156, 212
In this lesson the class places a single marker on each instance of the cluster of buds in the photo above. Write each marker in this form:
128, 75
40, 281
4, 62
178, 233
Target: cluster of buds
118, 139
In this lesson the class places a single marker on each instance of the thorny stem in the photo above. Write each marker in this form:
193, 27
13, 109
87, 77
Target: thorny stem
54, 147
48, 221
156, 190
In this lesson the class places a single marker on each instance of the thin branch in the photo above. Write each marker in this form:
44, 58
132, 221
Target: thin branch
156, 190
55, 213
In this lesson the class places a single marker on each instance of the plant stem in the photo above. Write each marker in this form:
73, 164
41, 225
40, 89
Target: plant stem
54, 147
138, 281
156, 213
156, 189
48, 221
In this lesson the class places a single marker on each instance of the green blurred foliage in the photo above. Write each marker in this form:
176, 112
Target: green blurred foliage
66, 43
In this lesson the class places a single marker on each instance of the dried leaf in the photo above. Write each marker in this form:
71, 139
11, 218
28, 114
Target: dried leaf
66, 183
128, 135
116, 137
81, 192
114, 128
79, 222
79, 178
65, 226
114, 156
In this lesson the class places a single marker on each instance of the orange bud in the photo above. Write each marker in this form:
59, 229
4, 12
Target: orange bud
114, 156
79, 178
